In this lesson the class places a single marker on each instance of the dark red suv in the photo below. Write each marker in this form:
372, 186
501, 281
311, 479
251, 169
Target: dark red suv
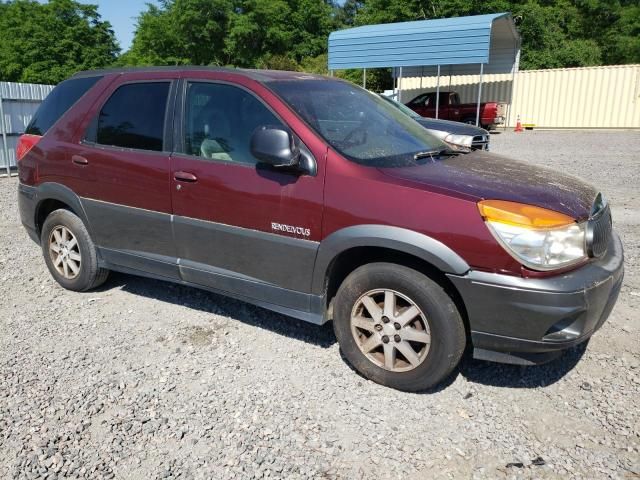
315, 198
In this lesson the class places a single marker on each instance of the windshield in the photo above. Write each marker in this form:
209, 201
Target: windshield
403, 108
360, 125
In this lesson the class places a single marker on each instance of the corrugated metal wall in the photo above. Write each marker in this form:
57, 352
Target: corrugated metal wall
590, 97
18, 103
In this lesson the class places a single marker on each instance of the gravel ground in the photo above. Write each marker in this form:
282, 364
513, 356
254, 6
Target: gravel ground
144, 379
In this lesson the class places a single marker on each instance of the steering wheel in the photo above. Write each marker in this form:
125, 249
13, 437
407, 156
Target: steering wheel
352, 140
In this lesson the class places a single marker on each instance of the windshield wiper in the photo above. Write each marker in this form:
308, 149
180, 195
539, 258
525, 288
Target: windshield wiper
445, 152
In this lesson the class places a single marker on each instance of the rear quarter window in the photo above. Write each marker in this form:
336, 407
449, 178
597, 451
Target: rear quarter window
58, 102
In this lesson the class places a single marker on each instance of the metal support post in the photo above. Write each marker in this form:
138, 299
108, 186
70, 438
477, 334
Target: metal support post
479, 95
438, 93
4, 139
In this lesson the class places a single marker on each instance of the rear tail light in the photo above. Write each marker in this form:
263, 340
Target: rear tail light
25, 143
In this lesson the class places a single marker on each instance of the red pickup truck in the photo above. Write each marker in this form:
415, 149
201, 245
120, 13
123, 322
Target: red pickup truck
450, 108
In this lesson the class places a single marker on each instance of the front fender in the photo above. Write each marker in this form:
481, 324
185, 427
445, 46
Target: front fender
395, 238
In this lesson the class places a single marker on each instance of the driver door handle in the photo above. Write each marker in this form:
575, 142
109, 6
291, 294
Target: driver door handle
185, 177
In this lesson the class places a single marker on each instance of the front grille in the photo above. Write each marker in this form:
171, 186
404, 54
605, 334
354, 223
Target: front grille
599, 232
480, 142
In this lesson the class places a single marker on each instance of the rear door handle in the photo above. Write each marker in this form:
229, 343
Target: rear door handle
79, 160
185, 177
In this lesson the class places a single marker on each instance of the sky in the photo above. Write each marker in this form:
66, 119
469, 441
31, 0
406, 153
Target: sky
122, 16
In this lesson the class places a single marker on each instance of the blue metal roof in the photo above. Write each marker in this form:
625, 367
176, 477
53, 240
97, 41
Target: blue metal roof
447, 41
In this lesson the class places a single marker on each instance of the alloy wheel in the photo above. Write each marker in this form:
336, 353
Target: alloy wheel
65, 252
391, 330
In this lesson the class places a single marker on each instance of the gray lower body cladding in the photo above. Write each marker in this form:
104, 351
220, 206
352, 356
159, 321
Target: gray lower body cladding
27, 201
265, 269
530, 320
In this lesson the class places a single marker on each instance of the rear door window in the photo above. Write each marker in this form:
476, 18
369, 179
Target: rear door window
134, 117
58, 102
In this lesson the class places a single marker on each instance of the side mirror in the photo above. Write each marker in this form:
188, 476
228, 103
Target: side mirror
274, 146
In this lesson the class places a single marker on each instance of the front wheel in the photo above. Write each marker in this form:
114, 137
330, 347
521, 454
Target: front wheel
70, 253
398, 327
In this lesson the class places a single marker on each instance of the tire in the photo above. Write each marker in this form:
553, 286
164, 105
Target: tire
437, 318
59, 230
470, 121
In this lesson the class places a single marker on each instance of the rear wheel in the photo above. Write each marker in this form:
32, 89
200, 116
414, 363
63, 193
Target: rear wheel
398, 327
70, 253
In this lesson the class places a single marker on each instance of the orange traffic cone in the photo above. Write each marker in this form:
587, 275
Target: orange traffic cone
518, 126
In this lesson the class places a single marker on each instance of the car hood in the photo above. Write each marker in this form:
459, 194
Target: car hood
482, 175
456, 128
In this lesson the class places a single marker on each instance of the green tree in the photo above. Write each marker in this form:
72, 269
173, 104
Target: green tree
244, 33
615, 26
294, 29
259, 28
345, 15
311, 22
277, 62
292, 34
181, 32
46, 43
378, 79
623, 40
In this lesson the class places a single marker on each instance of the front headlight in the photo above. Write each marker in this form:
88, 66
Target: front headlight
459, 140
463, 141
538, 238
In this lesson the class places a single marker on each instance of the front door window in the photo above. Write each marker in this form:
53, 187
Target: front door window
219, 122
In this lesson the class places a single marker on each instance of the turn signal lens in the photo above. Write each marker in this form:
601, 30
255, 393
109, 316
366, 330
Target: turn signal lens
521, 214
538, 238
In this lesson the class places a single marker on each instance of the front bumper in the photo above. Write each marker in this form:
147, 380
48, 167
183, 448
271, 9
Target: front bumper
532, 320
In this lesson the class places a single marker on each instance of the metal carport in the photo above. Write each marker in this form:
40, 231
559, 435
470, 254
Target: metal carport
488, 43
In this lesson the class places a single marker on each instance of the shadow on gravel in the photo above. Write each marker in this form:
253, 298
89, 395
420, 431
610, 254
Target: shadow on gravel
477, 371
503, 375
438, 388
209, 302
515, 376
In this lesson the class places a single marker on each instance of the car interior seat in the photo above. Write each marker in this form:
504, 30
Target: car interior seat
216, 144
